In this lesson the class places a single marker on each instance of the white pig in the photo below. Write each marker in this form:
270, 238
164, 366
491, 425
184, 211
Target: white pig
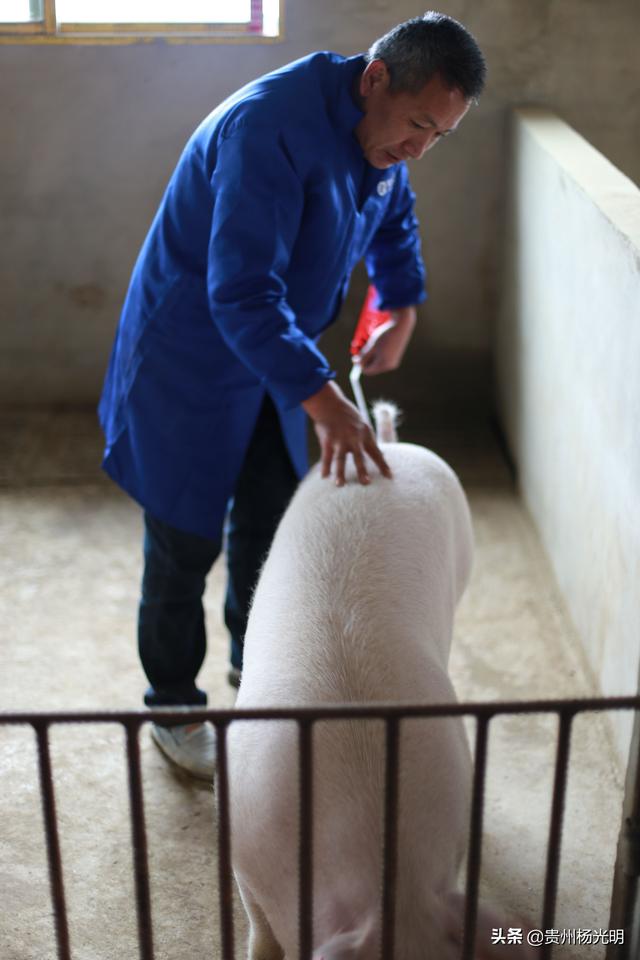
355, 604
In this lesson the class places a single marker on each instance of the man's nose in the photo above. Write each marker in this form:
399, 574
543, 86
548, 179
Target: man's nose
418, 145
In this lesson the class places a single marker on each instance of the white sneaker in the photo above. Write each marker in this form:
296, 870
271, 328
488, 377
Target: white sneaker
191, 746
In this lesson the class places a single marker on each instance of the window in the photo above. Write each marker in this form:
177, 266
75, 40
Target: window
103, 20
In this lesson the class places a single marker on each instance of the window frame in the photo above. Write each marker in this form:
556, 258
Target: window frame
48, 31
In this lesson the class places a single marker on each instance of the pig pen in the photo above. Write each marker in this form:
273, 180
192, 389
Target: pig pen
72, 566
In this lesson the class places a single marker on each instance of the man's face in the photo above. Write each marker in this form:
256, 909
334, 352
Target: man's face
403, 126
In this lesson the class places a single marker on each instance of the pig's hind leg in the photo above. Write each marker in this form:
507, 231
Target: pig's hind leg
262, 942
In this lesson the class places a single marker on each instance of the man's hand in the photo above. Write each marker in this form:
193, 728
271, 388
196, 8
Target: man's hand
387, 352
341, 430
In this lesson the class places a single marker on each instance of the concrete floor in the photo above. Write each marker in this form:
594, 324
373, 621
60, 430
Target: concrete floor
71, 565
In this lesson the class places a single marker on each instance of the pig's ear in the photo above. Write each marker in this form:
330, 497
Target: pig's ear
489, 922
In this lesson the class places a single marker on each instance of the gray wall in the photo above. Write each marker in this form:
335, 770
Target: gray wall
91, 133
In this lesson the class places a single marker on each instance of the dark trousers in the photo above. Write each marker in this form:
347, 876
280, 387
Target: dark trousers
171, 625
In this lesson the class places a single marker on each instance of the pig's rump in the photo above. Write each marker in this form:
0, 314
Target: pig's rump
348, 817
357, 596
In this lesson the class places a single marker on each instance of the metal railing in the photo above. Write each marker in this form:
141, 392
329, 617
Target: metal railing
392, 715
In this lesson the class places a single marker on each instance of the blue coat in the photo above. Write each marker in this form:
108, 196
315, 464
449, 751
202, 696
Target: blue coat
246, 262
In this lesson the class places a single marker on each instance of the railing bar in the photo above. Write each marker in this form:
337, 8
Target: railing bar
390, 842
53, 842
474, 855
139, 839
555, 828
339, 711
224, 845
305, 908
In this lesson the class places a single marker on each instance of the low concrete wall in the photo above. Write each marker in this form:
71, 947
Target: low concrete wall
568, 359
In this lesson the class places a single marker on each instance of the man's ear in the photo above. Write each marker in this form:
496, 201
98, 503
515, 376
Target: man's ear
375, 74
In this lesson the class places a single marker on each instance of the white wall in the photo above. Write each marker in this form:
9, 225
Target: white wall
568, 363
90, 135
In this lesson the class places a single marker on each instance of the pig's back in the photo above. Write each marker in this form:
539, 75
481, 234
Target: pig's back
356, 599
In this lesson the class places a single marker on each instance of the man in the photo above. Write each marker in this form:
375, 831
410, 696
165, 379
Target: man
276, 197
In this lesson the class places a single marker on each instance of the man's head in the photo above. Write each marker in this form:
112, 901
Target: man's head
420, 80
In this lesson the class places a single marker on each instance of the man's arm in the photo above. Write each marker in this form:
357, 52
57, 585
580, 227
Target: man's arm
256, 219
394, 259
394, 263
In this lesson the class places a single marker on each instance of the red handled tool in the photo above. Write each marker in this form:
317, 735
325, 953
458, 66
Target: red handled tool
372, 323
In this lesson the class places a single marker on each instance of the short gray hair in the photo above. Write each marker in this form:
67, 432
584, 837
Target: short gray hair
418, 49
